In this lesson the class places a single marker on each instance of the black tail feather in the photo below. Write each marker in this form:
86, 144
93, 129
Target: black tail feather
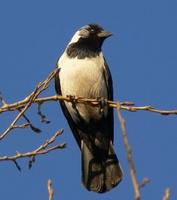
100, 174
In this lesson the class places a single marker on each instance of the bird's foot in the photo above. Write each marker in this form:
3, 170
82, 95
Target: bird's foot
103, 104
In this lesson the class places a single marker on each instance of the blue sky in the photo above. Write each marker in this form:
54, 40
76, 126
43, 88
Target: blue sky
142, 55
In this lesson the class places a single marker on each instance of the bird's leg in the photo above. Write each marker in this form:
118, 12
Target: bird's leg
72, 99
103, 104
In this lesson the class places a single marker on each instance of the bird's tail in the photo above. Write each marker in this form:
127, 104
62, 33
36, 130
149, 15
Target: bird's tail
100, 174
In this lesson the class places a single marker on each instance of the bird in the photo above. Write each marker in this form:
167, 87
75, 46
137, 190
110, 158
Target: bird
83, 72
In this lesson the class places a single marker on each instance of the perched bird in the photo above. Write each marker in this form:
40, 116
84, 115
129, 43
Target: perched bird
83, 72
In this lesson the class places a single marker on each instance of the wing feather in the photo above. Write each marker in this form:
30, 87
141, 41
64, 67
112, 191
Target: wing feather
65, 110
109, 85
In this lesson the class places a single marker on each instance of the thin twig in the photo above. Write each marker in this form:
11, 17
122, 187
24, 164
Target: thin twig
43, 117
43, 149
167, 194
144, 182
129, 154
29, 100
18, 117
33, 128
4, 103
25, 125
50, 189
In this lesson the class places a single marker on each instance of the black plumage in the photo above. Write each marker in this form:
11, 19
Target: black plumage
92, 127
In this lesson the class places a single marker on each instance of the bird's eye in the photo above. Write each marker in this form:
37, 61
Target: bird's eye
92, 31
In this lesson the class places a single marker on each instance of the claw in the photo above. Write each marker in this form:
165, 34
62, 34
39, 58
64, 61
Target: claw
103, 103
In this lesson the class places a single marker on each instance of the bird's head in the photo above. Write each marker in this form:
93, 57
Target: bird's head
91, 35
93, 32
87, 41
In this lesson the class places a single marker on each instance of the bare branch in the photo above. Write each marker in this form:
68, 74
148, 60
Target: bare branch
33, 128
41, 115
18, 116
129, 106
21, 125
167, 194
50, 189
28, 101
43, 149
2, 100
144, 182
150, 109
17, 165
129, 154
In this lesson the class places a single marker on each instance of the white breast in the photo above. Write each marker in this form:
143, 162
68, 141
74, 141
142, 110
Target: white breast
83, 78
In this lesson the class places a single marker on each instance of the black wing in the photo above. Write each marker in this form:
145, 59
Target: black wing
65, 110
109, 85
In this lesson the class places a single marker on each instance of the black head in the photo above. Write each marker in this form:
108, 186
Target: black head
87, 41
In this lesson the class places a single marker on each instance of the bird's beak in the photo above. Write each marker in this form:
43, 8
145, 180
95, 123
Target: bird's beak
104, 34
